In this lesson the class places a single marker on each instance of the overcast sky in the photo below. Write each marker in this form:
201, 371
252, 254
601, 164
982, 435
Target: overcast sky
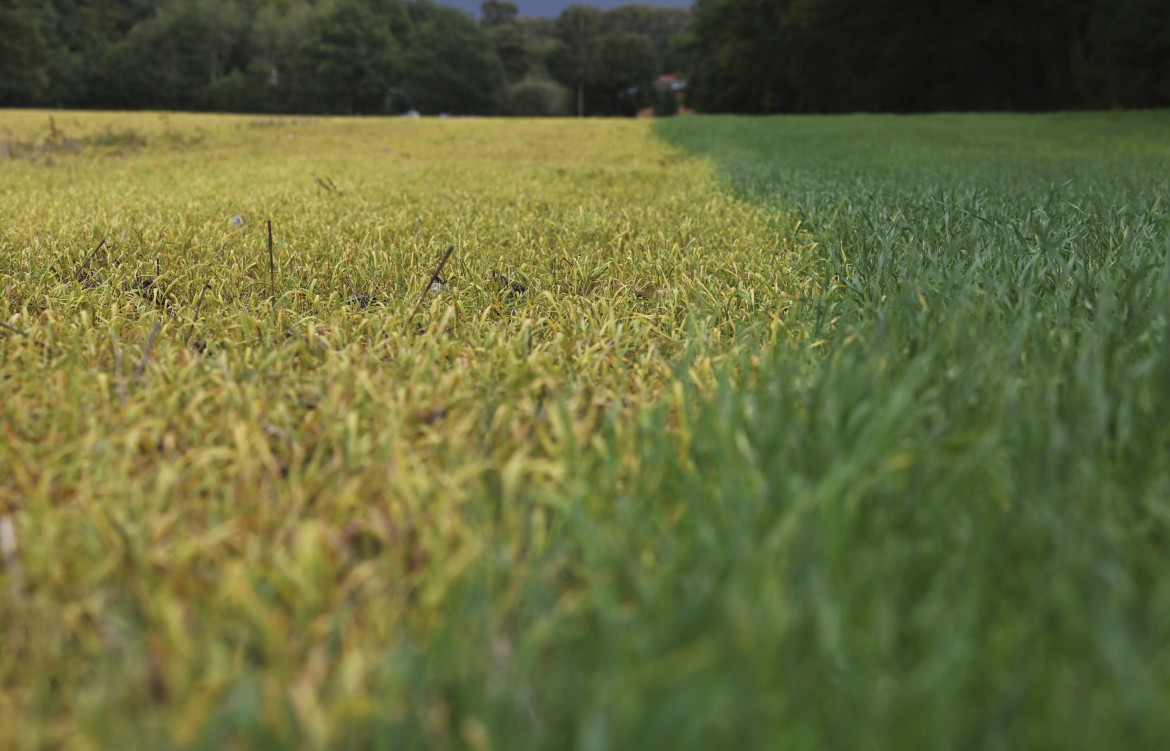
551, 8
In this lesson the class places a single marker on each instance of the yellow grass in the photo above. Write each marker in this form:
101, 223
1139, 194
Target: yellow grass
293, 479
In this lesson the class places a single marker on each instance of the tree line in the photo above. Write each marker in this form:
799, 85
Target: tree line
766, 56
333, 56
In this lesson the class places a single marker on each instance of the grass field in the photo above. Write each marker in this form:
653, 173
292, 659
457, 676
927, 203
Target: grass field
964, 502
868, 447
294, 512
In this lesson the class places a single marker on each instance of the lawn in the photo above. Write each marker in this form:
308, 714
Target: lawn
963, 502
721, 433
265, 502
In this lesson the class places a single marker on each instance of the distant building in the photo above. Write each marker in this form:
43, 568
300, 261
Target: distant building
674, 82
668, 87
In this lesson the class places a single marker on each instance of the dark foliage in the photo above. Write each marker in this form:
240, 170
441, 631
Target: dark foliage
762, 56
329, 56
451, 65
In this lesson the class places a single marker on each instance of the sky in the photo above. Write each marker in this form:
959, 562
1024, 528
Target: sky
552, 8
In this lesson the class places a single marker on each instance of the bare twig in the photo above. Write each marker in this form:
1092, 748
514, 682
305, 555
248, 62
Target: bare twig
146, 353
13, 329
195, 317
271, 264
92, 253
427, 288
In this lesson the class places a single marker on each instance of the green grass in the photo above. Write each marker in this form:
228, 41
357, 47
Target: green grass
871, 452
959, 511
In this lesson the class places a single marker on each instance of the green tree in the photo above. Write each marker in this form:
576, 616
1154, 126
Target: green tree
24, 53
660, 25
738, 55
500, 19
926, 55
739, 51
83, 34
512, 49
498, 13
275, 74
451, 65
116, 80
350, 59
571, 61
1130, 42
623, 73
183, 50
